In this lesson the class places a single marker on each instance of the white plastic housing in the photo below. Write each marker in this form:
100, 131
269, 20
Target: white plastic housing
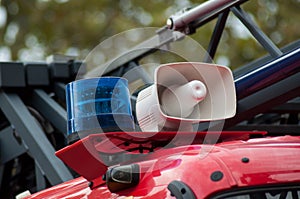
185, 93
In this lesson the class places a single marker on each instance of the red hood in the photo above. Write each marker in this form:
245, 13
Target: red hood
261, 161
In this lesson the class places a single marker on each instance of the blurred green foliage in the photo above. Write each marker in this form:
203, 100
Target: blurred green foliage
33, 29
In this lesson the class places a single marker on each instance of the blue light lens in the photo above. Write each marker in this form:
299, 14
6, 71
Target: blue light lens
99, 105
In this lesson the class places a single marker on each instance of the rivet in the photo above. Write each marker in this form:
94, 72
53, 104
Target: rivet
216, 176
245, 160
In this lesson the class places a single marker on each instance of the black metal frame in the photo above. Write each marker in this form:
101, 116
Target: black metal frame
23, 132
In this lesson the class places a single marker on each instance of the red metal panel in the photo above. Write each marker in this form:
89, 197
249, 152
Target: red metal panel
256, 162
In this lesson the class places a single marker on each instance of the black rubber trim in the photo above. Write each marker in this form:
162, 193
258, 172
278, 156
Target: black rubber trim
180, 190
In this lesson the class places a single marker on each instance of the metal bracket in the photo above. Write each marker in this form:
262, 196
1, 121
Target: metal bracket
10, 146
34, 137
50, 109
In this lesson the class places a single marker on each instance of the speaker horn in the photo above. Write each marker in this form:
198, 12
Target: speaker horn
185, 93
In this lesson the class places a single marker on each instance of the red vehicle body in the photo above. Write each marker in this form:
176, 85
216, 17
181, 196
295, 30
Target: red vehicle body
234, 163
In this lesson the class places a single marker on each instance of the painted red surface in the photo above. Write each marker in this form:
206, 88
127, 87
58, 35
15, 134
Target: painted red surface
271, 161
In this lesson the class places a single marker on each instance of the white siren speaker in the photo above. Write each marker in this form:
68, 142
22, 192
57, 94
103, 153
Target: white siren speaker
186, 93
